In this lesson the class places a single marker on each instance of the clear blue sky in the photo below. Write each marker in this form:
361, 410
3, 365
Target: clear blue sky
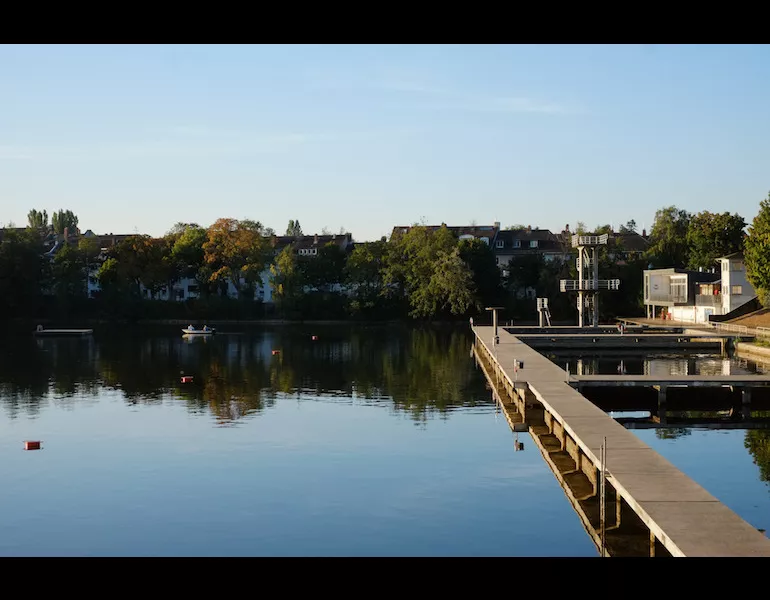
136, 138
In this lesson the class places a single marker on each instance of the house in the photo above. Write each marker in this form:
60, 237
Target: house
512, 243
696, 296
628, 246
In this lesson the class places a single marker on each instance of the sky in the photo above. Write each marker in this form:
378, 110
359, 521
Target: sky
135, 138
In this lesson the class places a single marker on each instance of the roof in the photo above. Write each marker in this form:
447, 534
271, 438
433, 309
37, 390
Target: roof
478, 231
545, 241
343, 240
632, 242
732, 256
692, 276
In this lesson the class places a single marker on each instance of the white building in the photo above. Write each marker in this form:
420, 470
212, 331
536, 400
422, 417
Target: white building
695, 296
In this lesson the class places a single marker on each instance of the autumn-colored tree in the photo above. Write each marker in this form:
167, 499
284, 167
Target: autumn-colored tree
236, 252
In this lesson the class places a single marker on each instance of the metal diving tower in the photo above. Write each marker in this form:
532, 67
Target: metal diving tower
588, 283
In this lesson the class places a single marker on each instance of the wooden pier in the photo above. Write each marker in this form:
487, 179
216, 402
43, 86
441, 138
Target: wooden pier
679, 517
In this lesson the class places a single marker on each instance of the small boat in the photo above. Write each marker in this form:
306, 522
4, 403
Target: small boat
204, 331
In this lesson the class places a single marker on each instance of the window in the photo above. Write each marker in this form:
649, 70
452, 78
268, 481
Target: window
679, 289
500, 244
192, 289
738, 266
533, 244
736, 289
517, 243
725, 266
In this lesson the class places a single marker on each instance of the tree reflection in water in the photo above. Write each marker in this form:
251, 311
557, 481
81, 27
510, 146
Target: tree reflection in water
419, 371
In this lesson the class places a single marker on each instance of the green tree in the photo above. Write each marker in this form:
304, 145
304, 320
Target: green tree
363, 276
286, 279
294, 229
757, 442
756, 252
629, 227
601, 229
64, 219
425, 267
23, 271
37, 220
188, 256
482, 262
325, 269
711, 235
69, 274
179, 228
668, 238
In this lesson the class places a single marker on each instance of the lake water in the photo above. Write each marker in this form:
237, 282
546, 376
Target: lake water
365, 442
369, 441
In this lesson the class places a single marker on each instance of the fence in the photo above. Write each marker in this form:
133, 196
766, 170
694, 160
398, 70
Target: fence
757, 331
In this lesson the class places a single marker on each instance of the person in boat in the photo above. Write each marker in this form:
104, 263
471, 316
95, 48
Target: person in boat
206, 328
190, 328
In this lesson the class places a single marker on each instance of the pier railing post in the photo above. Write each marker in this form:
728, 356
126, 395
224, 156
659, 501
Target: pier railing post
602, 497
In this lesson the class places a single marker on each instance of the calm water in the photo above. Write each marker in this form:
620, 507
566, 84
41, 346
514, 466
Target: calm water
366, 442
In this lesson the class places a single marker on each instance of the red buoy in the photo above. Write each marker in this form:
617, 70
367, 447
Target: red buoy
187, 379
315, 337
32, 445
275, 352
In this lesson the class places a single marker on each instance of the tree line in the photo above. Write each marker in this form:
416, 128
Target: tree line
424, 273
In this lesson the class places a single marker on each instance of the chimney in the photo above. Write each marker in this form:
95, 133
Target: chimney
644, 233
566, 228
315, 238
529, 227
66, 233
497, 224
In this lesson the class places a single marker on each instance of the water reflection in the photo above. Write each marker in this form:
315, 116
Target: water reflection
420, 372
658, 364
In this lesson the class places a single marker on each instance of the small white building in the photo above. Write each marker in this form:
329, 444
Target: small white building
736, 289
695, 296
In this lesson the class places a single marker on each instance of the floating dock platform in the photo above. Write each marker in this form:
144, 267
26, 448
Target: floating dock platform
62, 332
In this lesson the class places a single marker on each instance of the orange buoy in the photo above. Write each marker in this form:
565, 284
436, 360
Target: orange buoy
32, 445
187, 379
275, 352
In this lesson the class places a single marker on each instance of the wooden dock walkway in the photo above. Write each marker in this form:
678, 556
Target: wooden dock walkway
681, 515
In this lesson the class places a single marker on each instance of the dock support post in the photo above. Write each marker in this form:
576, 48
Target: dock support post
746, 402
662, 404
